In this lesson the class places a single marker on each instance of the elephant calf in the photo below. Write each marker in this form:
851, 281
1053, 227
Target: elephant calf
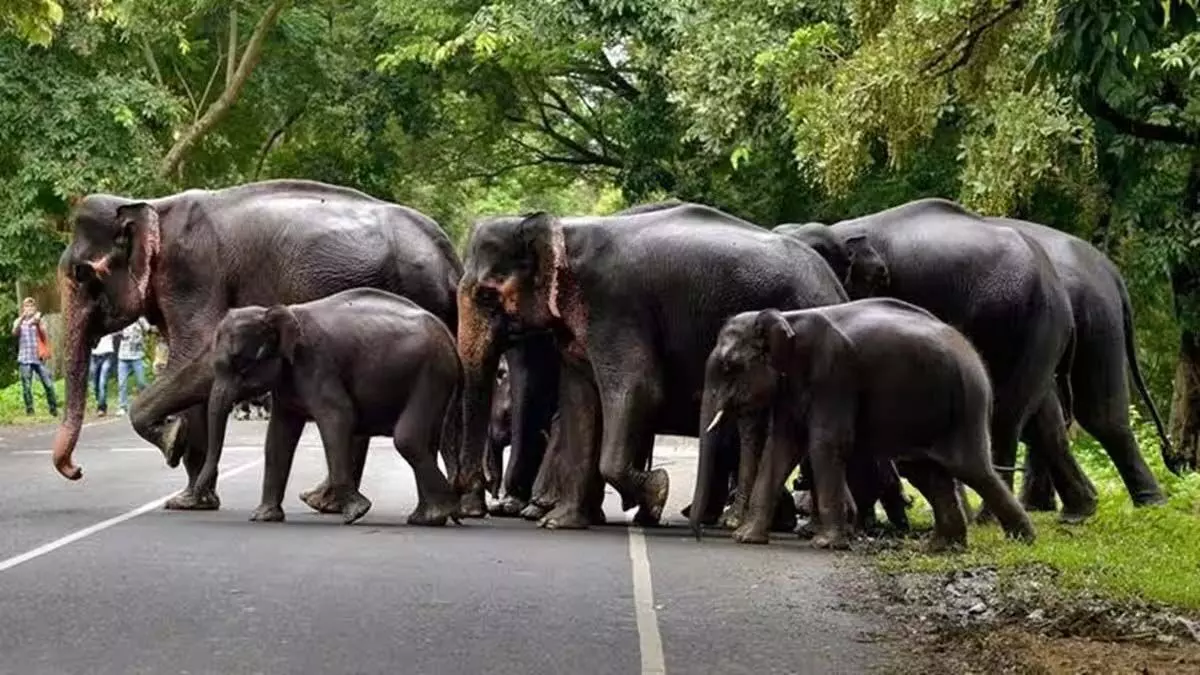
360, 363
857, 382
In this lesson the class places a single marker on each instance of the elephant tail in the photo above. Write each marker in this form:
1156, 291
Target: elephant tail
1168, 453
1062, 376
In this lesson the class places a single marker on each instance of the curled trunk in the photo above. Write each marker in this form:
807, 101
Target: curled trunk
77, 314
220, 404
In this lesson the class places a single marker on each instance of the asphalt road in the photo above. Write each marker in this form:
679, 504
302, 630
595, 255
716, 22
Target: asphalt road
95, 577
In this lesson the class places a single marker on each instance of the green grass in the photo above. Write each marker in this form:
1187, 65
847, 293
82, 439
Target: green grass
1122, 552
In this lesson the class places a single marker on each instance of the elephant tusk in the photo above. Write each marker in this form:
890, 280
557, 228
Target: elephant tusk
715, 420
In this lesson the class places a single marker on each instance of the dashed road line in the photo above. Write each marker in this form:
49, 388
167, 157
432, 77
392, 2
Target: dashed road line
649, 640
42, 550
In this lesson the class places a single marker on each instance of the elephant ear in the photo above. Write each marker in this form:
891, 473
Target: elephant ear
777, 333
541, 237
867, 274
138, 239
285, 329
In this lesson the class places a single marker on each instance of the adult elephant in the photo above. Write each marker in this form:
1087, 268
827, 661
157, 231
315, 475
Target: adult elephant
998, 287
185, 259
1104, 347
634, 303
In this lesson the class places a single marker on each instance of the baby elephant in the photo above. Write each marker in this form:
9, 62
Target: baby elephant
360, 363
861, 381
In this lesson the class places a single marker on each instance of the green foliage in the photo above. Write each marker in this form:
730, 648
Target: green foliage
31, 20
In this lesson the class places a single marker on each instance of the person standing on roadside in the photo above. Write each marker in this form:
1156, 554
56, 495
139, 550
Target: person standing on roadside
29, 332
103, 357
130, 356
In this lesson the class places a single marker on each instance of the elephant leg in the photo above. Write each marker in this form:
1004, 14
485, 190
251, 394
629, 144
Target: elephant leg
1050, 445
751, 436
321, 497
283, 433
335, 422
1037, 486
631, 395
999, 499
416, 436
779, 455
575, 479
194, 437
949, 513
157, 414
534, 374
1104, 413
891, 491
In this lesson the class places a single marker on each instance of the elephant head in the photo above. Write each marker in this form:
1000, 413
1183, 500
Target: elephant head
741, 377
860, 267
251, 347
105, 283
510, 288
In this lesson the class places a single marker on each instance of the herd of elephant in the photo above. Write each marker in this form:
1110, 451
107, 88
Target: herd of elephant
924, 341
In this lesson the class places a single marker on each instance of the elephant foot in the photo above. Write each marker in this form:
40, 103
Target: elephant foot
434, 514
985, 517
597, 516
267, 513
173, 442
654, 497
565, 517
806, 530
189, 500
944, 544
748, 534
533, 511
731, 519
355, 507
785, 517
835, 540
1149, 498
1077, 515
472, 504
509, 507
321, 499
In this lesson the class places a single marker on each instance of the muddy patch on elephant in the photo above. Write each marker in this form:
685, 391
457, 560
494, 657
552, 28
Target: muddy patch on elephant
1021, 621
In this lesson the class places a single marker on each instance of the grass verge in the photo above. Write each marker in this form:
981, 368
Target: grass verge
1123, 552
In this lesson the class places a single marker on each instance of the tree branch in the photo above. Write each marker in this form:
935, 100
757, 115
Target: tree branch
231, 66
968, 38
152, 62
208, 87
1094, 104
276, 135
225, 101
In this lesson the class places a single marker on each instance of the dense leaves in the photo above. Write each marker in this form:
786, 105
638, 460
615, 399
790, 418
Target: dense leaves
1082, 114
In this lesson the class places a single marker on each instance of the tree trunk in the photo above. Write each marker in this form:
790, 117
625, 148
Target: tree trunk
1185, 405
1185, 284
220, 107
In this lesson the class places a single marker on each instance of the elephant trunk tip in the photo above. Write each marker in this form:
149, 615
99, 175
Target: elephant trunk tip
64, 441
697, 531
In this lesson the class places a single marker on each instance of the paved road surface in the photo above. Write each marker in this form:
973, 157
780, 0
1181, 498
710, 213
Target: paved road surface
96, 578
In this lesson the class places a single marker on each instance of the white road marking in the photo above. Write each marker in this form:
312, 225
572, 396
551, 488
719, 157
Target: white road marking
154, 449
42, 550
650, 642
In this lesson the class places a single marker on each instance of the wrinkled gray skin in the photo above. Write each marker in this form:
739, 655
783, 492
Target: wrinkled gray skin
185, 259
359, 363
634, 303
1000, 289
1104, 348
861, 381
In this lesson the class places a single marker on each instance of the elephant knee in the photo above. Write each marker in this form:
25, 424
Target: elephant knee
614, 470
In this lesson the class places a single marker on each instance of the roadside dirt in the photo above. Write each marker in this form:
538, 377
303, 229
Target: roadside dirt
981, 622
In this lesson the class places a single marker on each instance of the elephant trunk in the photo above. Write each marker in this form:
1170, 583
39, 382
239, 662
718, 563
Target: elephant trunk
220, 404
711, 416
480, 360
78, 315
